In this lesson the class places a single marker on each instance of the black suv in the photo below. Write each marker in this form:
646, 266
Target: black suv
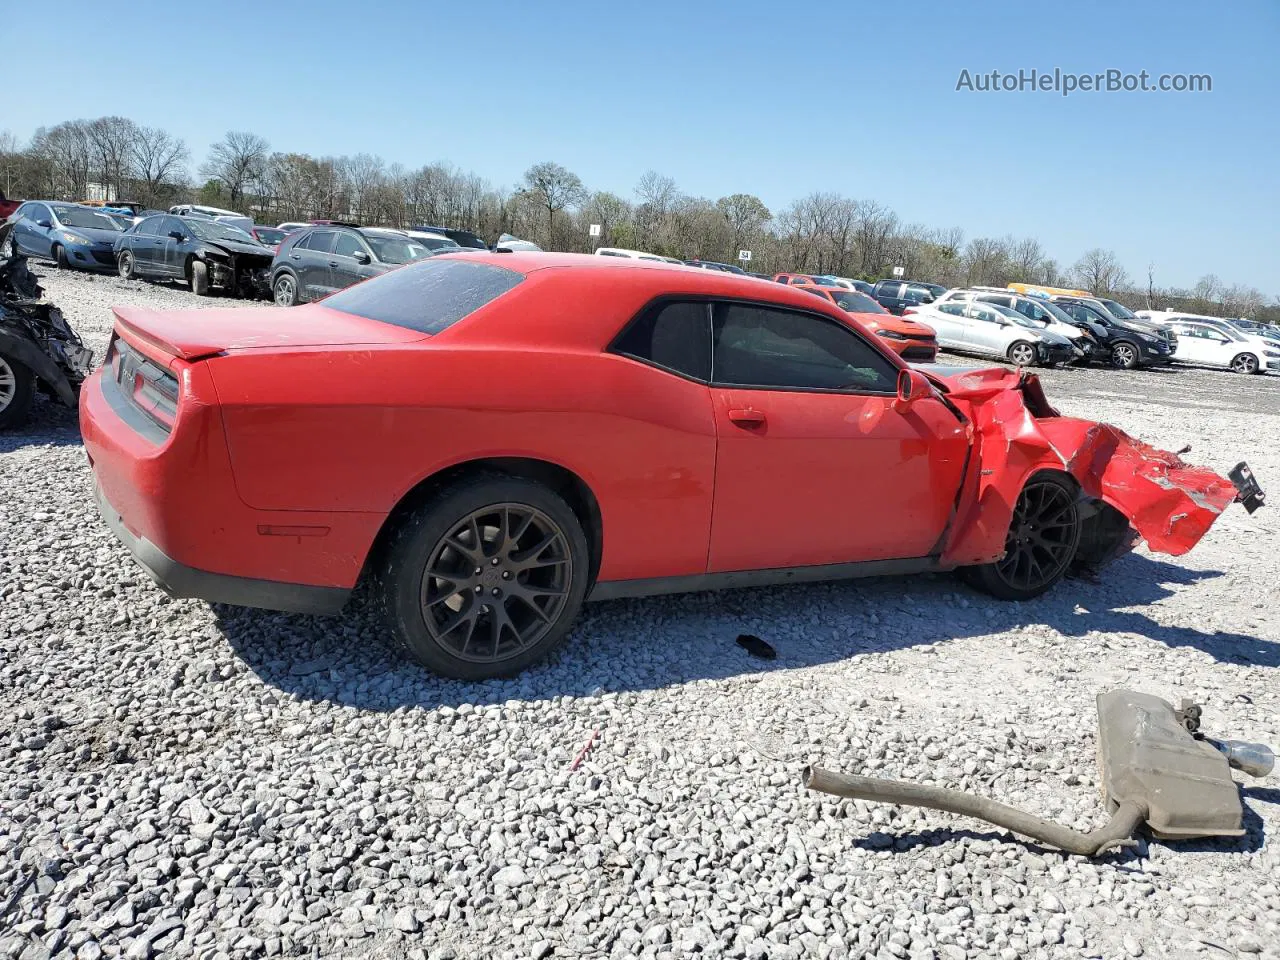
314, 262
896, 295
463, 238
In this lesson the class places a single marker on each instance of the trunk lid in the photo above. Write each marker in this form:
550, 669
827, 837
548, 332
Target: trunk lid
196, 334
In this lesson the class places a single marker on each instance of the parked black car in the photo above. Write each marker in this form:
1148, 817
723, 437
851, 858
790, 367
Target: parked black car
204, 253
38, 348
463, 238
896, 295
1127, 343
716, 265
313, 263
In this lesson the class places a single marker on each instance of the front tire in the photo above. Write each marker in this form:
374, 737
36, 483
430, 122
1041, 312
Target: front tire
1124, 355
199, 276
126, 267
60, 257
1022, 353
1245, 363
1043, 537
17, 391
486, 578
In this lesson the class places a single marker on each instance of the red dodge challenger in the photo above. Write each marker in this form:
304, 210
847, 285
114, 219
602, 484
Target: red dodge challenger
493, 438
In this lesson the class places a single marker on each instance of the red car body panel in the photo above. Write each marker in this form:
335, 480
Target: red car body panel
298, 432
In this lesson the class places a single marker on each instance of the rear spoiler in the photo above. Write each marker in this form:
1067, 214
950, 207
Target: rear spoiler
132, 322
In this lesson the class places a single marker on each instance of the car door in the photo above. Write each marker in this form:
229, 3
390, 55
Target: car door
313, 265
176, 243
814, 465
36, 236
147, 247
889, 293
947, 320
346, 265
984, 332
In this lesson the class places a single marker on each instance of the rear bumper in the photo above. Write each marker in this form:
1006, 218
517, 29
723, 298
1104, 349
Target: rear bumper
181, 581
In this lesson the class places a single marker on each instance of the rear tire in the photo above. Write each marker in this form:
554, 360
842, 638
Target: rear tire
199, 277
1022, 354
1124, 355
533, 566
285, 289
126, 267
1041, 545
1245, 363
60, 257
17, 391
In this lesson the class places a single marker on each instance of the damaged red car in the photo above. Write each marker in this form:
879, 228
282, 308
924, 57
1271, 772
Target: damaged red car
491, 439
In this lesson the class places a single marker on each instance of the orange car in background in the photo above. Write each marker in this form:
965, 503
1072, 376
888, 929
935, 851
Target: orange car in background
913, 341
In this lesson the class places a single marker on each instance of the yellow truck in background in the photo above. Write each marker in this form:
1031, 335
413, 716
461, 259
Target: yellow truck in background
1031, 289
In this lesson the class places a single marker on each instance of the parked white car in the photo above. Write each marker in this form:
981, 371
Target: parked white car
1044, 314
634, 255
989, 330
435, 242
1210, 342
229, 217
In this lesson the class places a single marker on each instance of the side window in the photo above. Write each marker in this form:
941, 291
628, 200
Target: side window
674, 336
147, 227
348, 245
781, 350
40, 212
321, 241
799, 281
889, 289
952, 307
979, 312
995, 298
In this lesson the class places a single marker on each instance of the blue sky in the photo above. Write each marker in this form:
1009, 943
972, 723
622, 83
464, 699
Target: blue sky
773, 99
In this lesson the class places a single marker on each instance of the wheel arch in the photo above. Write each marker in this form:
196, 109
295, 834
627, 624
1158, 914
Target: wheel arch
564, 482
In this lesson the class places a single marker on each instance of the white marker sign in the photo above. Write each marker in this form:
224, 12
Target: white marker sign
744, 256
593, 230
899, 271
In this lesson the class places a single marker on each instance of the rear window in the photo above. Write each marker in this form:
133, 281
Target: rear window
429, 296
854, 301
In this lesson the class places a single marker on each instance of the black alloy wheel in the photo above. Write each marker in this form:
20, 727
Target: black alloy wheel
1043, 537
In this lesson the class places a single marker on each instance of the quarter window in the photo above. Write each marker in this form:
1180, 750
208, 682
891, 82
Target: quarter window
321, 241
781, 350
674, 336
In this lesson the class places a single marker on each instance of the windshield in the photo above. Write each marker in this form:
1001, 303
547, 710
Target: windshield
85, 219
436, 243
395, 249
855, 302
212, 230
1020, 319
271, 237
1118, 310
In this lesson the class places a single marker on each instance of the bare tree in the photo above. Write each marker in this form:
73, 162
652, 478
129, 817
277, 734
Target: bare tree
237, 161
112, 141
1100, 271
159, 160
553, 188
745, 214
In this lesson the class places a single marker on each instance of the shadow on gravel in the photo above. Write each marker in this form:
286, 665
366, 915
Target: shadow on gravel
1252, 841
655, 643
51, 424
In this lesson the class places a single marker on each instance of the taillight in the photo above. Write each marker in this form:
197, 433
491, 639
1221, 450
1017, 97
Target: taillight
147, 385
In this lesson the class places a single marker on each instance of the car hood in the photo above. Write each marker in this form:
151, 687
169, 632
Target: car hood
95, 234
1141, 326
235, 246
1169, 503
1049, 336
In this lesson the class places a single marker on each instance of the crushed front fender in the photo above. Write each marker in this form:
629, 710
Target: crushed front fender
1016, 434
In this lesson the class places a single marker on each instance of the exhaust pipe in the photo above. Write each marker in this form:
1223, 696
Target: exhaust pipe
1117, 833
1157, 769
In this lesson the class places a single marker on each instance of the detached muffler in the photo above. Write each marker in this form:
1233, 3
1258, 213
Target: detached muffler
1157, 768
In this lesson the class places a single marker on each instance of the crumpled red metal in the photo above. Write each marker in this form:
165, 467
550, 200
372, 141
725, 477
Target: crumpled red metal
1169, 503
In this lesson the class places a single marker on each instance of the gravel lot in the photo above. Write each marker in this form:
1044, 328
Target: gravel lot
178, 780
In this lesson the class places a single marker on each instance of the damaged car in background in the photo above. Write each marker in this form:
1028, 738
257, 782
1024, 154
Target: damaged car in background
38, 348
203, 253
490, 439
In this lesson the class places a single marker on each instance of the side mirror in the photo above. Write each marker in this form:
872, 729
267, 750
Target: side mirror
176, 234
43, 223
912, 386
362, 257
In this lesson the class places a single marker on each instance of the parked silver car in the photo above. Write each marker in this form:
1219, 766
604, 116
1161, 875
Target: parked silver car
990, 330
